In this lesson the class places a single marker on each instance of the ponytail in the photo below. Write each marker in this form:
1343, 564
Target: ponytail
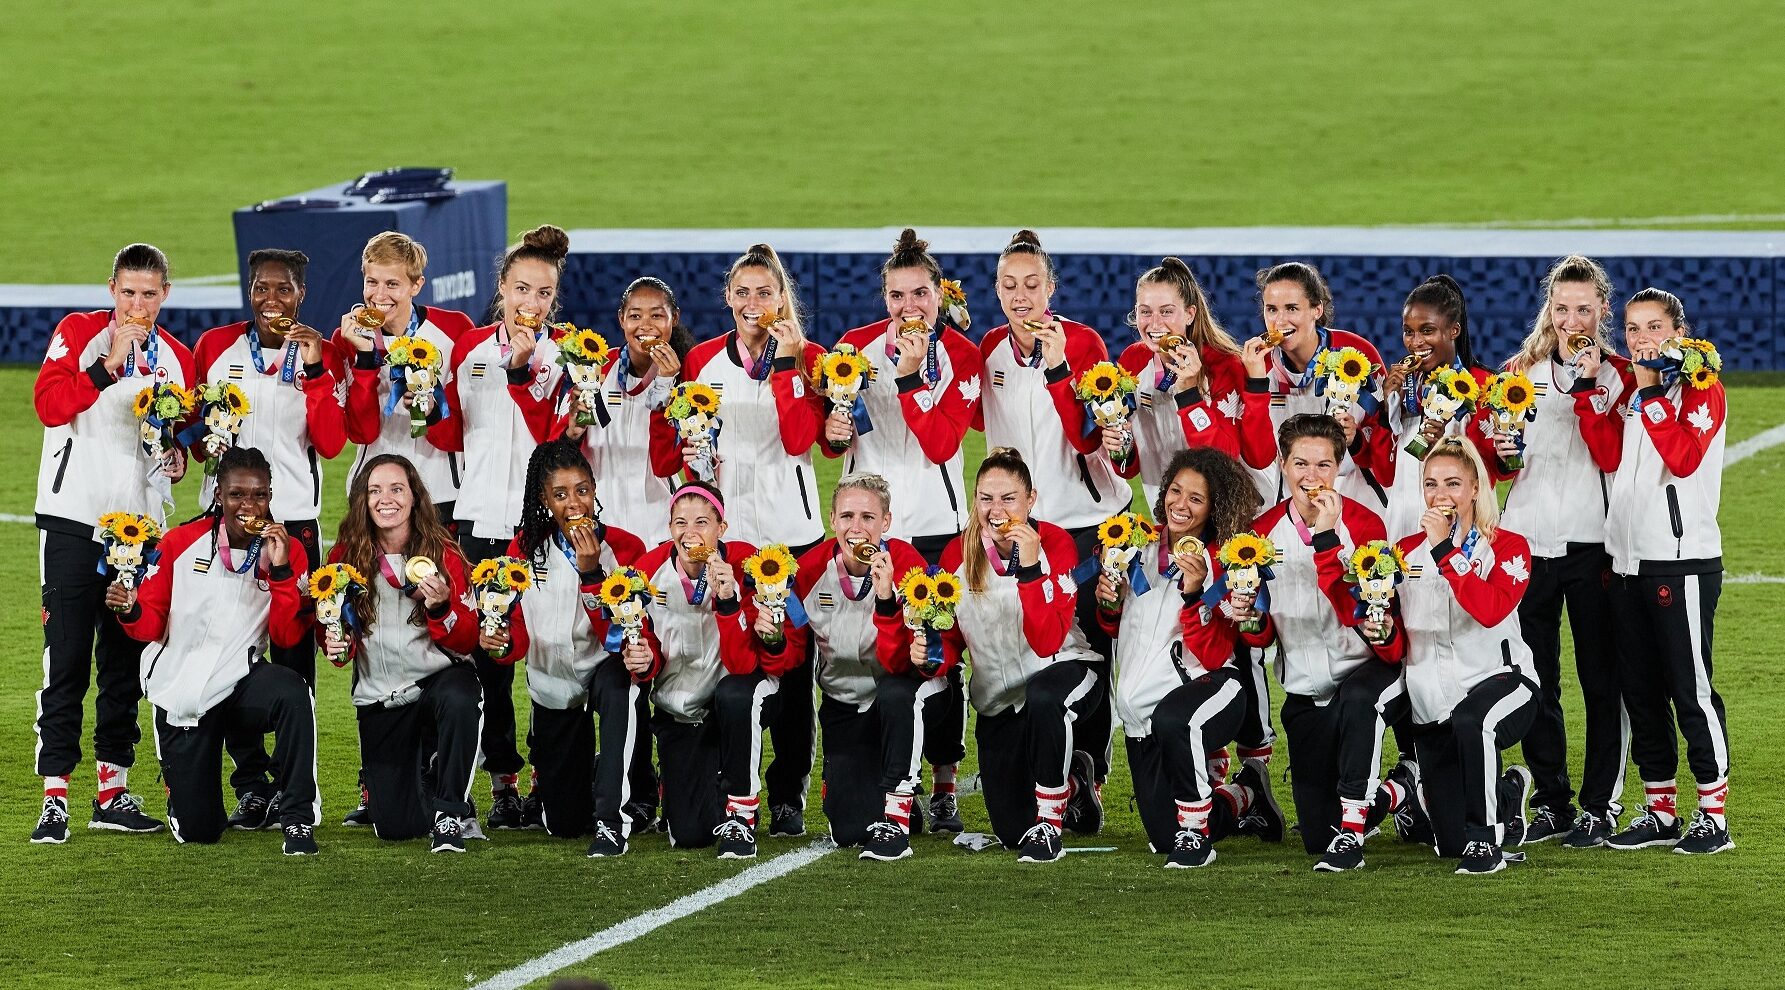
764, 256
974, 564
1204, 331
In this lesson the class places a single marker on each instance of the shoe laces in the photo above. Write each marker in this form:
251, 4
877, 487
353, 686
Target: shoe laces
1702, 826
782, 812
733, 830
298, 830
1646, 820
1042, 832
604, 831
1586, 820
1188, 840
53, 811
942, 803
1344, 842
446, 825
884, 831
125, 802
1478, 850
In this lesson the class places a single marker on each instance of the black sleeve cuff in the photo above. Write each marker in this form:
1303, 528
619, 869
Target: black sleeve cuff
102, 378
522, 375
1258, 385
1326, 539
1651, 392
316, 370
1583, 385
365, 361
134, 614
786, 363
1357, 444
1059, 373
1189, 397
279, 572
888, 607
1442, 549
726, 606
911, 382
439, 611
1024, 573
593, 576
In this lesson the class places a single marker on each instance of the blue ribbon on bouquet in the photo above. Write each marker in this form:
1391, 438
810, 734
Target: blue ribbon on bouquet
1366, 399
1088, 569
858, 414
398, 389
1218, 592
1090, 423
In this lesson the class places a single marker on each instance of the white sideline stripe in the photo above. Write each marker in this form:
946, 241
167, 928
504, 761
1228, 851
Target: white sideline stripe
650, 921
1754, 578
1753, 445
1573, 222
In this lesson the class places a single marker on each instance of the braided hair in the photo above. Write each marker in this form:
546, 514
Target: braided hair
236, 458
537, 524
1442, 293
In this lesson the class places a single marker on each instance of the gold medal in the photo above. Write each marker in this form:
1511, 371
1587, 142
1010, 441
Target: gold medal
255, 527
369, 318
1188, 545
419, 569
864, 551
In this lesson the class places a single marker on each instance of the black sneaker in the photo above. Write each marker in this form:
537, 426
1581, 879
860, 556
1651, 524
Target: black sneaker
362, 815
608, 842
642, 814
1084, 808
737, 840
1704, 837
52, 825
1190, 850
1411, 823
300, 839
448, 834
1345, 852
123, 813
507, 813
1545, 825
1041, 844
787, 820
252, 813
945, 814
1265, 818
1481, 858
887, 842
1590, 831
1646, 830
1515, 795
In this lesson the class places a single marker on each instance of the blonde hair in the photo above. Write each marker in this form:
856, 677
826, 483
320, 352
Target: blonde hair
393, 248
862, 481
1541, 344
763, 256
1487, 502
974, 564
1204, 330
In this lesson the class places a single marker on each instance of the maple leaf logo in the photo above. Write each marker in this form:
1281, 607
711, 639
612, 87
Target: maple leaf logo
970, 389
1516, 569
58, 349
1487, 428
106, 774
1699, 419
1230, 406
152, 571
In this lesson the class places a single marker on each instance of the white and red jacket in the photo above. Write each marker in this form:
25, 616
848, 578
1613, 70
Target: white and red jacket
369, 390
1308, 615
1210, 415
1404, 474
693, 645
559, 626
1559, 498
633, 496
498, 416
1460, 619
918, 427
1669, 482
1035, 411
207, 625
1022, 621
1281, 394
856, 637
765, 441
1164, 639
93, 460
296, 424
393, 656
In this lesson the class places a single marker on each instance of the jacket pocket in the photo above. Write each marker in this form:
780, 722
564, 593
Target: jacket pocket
954, 503
1673, 512
315, 478
452, 464
62, 468
799, 481
1084, 475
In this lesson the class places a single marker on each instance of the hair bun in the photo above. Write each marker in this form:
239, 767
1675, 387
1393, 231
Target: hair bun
1174, 264
761, 252
910, 243
1026, 236
548, 239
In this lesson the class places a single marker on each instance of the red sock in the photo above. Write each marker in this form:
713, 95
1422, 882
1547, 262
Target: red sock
1712, 796
898, 810
1194, 815
55, 787
1237, 797
1353, 815
1050, 805
1661, 798
113, 781
742, 807
944, 774
1262, 754
1219, 764
500, 782
1396, 794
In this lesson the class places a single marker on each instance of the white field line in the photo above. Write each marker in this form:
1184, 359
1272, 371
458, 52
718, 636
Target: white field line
650, 921
1588, 222
1753, 445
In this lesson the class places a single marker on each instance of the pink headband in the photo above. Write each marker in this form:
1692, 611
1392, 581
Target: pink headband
698, 492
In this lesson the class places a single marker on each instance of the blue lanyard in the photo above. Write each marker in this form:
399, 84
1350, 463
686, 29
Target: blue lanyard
760, 371
152, 346
221, 549
1032, 359
1469, 542
1415, 382
287, 368
1305, 377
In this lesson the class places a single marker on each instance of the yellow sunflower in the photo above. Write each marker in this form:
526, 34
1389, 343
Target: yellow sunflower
1246, 550
322, 583
917, 587
132, 532
948, 589
842, 368
1703, 377
588, 345
1114, 531
484, 573
952, 293
770, 565
1366, 560
701, 396
616, 589
144, 400
423, 353
517, 575
1145, 531
235, 400
112, 520
1351, 365
1464, 386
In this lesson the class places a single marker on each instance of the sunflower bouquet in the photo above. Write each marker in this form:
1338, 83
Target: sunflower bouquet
1107, 390
497, 584
160, 408
625, 595
1448, 394
416, 378
333, 587
583, 353
1120, 540
693, 410
1376, 568
1699, 363
1512, 398
841, 376
954, 304
1342, 374
770, 572
1246, 559
126, 537
223, 406
930, 596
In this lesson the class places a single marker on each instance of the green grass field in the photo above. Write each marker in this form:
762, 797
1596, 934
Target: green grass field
812, 114
113, 909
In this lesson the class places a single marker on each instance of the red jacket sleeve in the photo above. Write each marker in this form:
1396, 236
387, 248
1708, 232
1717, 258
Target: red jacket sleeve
324, 415
448, 433
288, 622
941, 428
65, 388
148, 620
363, 415
801, 407
1603, 429
1683, 433
1049, 596
456, 628
1258, 436
1084, 348
1489, 600
1199, 409
538, 401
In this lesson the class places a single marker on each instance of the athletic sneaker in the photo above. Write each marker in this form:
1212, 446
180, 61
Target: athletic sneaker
787, 820
448, 834
643, 815
1190, 850
1411, 823
1345, 852
1545, 825
608, 842
507, 814
1265, 818
361, 815
1590, 831
1646, 830
123, 813
887, 842
1515, 795
1084, 807
299, 840
52, 825
1481, 858
1704, 837
252, 813
737, 840
945, 814
470, 829
1041, 844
